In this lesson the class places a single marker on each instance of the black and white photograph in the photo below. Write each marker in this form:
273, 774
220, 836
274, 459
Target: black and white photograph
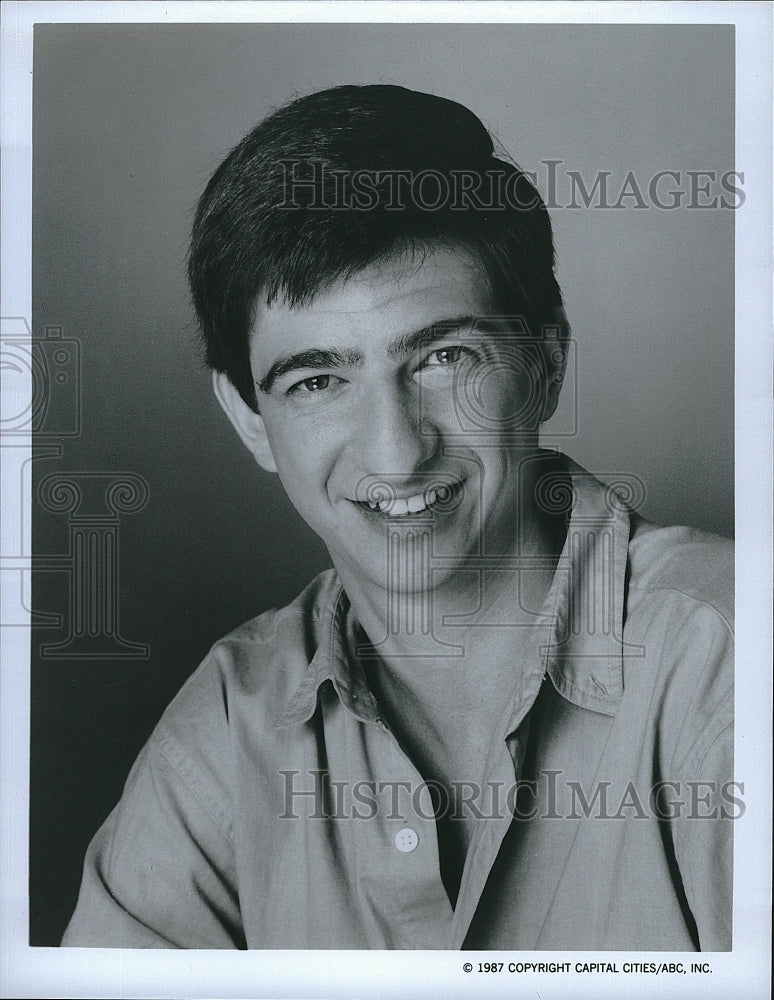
386, 543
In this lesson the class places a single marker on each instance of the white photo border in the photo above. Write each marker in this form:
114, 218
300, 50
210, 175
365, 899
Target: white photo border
40, 972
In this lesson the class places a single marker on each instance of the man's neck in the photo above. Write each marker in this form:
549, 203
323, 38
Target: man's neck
470, 613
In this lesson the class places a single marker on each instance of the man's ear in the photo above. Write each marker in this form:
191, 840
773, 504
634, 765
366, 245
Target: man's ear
555, 344
247, 423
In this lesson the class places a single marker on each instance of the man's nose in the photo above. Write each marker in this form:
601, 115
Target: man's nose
392, 437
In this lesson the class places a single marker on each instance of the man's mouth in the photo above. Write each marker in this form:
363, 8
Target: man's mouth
430, 499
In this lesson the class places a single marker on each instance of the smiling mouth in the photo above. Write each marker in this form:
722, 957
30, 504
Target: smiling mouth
419, 503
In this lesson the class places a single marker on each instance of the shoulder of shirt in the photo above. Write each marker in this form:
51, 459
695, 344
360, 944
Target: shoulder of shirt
680, 607
266, 656
694, 564
298, 628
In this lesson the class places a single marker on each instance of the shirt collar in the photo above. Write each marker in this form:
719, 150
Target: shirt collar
583, 654
582, 647
334, 662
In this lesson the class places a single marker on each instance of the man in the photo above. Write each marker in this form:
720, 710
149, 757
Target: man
504, 719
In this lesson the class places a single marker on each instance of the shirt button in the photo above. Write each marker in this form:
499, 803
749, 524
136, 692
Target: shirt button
406, 840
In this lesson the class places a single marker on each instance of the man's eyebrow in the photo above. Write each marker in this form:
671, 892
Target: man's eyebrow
315, 358
404, 346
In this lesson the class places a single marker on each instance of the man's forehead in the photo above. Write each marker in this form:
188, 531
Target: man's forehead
418, 289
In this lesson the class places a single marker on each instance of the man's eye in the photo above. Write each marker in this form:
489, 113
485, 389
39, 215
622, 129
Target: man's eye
449, 356
315, 383
446, 355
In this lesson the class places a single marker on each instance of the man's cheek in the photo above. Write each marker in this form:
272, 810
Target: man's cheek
303, 481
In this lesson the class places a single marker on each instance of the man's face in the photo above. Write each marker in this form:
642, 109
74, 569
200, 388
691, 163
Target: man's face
389, 407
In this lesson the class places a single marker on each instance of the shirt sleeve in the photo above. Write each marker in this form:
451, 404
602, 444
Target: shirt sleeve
160, 872
711, 800
705, 845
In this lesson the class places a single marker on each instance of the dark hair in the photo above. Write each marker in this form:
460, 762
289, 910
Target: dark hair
313, 194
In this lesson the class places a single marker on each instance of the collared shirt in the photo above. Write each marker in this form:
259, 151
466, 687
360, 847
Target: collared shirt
274, 808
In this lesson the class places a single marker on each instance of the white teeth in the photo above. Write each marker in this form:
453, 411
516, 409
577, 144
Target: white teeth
399, 507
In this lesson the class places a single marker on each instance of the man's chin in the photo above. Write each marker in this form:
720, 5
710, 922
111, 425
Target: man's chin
407, 577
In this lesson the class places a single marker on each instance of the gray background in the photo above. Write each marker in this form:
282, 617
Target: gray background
129, 123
